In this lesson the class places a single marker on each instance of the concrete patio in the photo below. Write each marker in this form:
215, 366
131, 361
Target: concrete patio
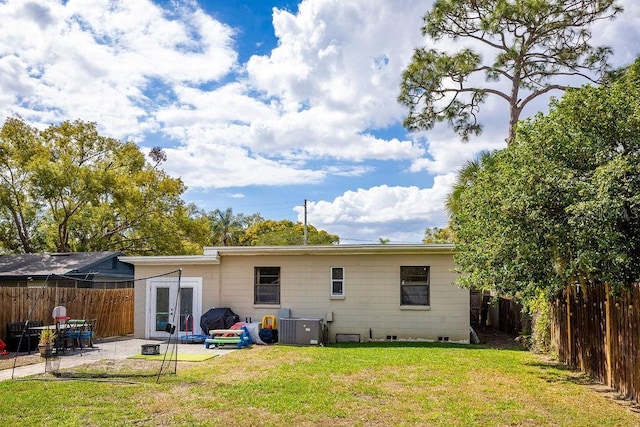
108, 349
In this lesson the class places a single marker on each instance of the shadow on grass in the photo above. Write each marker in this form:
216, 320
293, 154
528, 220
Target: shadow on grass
423, 344
557, 372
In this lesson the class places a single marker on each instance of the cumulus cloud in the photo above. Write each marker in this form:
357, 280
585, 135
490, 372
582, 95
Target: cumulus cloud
336, 72
221, 166
96, 60
315, 107
396, 213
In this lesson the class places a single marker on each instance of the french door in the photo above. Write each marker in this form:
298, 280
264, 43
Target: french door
173, 304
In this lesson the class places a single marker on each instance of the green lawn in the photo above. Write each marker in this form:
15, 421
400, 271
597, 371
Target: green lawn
350, 385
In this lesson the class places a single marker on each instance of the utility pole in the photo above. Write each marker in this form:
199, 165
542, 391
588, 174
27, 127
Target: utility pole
305, 223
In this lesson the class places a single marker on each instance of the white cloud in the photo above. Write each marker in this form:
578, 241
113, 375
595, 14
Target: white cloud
335, 75
220, 166
400, 214
345, 55
621, 34
135, 68
323, 89
307, 110
96, 60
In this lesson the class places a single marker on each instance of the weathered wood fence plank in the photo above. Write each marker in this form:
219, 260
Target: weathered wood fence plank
600, 334
111, 308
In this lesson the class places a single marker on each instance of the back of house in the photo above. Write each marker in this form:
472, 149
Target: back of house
355, 292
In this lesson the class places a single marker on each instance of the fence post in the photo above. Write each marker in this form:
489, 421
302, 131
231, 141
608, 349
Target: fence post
569, 341
607, 342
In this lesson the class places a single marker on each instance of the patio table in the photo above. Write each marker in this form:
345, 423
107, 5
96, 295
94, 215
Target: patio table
73, 331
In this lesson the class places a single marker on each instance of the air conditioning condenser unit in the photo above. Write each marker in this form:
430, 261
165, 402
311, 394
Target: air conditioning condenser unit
300, 331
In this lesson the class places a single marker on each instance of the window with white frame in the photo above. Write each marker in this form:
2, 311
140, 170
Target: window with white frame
337, 281
266, 285
414, 285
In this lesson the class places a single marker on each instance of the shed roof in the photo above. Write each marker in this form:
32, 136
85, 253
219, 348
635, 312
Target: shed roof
43, 264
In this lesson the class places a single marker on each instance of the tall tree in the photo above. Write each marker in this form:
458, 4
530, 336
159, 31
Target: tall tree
438, 235
19, 209
67, 188
183, 230
227, 229
561, 205
285, 232
538, 45
223, 225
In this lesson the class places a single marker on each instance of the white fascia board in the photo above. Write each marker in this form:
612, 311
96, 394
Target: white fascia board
421, 249
171, 260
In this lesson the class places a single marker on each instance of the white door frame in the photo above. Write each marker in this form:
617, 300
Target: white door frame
172, 283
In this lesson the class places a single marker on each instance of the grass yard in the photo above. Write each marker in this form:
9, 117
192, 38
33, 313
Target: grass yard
393, 384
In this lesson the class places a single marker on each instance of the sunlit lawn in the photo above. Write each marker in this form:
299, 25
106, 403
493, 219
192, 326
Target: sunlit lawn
368, 384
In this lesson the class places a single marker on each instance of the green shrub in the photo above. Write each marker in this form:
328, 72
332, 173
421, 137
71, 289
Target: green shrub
540, 310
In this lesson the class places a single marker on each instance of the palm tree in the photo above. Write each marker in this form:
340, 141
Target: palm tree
466, 177
224, 225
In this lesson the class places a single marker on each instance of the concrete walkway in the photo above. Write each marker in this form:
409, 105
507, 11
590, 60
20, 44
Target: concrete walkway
113, 349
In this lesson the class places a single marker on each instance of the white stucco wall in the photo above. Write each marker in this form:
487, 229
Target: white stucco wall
372, 294
370, 307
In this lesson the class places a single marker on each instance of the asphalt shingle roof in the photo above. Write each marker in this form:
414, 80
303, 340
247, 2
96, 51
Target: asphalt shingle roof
50, 263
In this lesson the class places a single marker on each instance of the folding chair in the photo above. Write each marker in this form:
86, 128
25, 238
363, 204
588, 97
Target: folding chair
86, 333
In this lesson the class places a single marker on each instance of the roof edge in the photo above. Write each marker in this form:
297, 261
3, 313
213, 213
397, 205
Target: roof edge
445, 248
177, 260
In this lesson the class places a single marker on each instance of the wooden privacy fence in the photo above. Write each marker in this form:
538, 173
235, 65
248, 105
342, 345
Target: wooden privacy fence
112, 308
511, 318
600, 334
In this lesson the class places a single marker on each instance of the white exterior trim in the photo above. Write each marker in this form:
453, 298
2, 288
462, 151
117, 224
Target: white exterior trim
219, 251
171, 260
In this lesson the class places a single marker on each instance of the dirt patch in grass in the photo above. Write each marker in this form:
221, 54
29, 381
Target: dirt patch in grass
23, 359
497, 339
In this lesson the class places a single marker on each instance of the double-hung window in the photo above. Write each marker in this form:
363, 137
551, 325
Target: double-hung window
337, 282
266, 285
414, 285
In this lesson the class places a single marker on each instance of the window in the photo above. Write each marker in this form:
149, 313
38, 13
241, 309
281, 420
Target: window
337, 281
414, 285
267, 285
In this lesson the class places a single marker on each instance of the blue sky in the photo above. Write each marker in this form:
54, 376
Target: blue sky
258, 104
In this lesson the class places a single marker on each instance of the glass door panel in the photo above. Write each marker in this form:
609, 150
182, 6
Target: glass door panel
165, 296
162, 308
186, 309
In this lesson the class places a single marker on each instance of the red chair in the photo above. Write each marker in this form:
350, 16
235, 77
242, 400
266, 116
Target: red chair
3, 352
